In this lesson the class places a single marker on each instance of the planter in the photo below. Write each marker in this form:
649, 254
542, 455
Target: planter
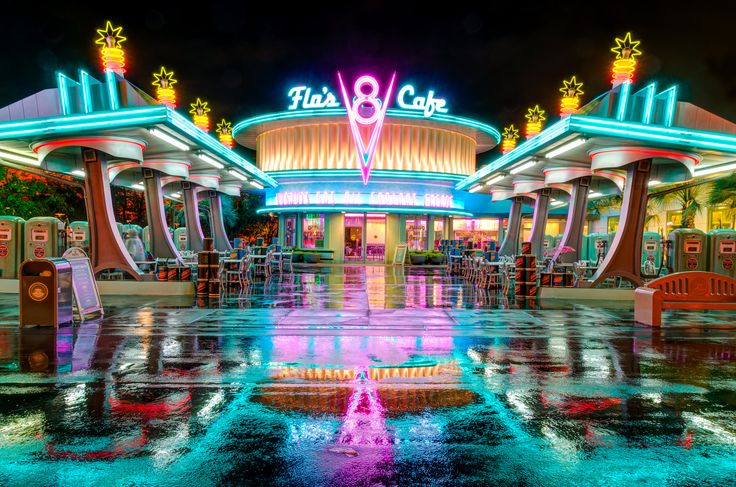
297, 257
437, 260
418, 259
312, 258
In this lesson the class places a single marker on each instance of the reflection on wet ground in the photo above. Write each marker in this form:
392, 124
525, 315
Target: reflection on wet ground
367, 376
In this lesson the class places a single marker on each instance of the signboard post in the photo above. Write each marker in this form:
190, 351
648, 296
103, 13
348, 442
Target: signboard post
400, 254
84, 286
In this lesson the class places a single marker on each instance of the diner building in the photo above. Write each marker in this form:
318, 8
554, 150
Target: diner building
328, 199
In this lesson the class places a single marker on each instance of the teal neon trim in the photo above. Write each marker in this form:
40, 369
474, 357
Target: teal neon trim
112, 90
623, 100
549, 134
63, 125
679, 137
351, 173
366, 208
63, 87
391, 112
215, 146
669, 116
648, 102
86, 94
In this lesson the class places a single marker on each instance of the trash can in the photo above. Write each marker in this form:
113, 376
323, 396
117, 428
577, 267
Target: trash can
45, 292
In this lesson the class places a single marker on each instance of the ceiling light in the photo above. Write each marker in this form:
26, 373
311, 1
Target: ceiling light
15, 157
594, 194
175, 195
523, 167
654, 182
495, 180
168, 138
475, 189
256, 184
237, 174
138, 186
79, 172
210, 161
714, 169
564, 148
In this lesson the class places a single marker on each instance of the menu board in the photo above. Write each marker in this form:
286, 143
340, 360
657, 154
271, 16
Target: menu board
400, 254
84, 286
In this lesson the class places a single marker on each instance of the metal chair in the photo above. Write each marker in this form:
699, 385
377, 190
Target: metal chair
235, 276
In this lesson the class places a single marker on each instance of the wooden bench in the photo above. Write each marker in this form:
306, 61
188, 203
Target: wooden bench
683, 290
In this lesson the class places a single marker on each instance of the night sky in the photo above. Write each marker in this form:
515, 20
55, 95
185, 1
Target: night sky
488, 63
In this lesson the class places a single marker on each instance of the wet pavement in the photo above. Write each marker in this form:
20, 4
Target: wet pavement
367, 376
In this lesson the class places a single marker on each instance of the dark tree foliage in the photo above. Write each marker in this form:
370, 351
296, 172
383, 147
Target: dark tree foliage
26, 196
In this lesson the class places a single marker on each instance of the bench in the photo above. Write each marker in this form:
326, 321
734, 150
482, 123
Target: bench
683, 290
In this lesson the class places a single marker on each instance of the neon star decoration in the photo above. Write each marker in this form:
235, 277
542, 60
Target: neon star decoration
510, 136
365, 109
199, 115
625, 62
164, 82
571, 91
535, 117
111, 49
225, 133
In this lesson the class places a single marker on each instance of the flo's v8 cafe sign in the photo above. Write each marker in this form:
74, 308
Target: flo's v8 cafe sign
407, 98
366, 102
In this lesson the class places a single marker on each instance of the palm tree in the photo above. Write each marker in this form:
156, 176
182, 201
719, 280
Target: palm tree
723, 195
690, 201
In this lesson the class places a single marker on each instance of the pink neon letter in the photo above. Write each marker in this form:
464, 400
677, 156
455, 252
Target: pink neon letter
355, 117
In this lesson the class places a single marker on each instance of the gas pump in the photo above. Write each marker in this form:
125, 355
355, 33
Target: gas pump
79, 236
11, 245
688, 250
651, 254
146, 239
722, 251
548, 243
44, 238
584, 250
180, 239
598, 244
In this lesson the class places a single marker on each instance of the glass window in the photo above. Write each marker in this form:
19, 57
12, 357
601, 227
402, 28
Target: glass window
416, 232
612, 224
290, 231
478, 230
313, 231
719, 218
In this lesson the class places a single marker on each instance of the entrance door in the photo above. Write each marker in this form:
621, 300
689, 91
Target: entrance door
375, 231
354, 223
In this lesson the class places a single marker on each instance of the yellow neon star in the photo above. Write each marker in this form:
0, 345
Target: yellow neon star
510, 133
535, 114
199, 107
110, 36
224, 127
626, 48
164, 79
571, 88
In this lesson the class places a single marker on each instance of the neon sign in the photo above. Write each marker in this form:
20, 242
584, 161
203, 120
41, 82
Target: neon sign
374, 198
366, 110
426, 104
303, 98
111, 48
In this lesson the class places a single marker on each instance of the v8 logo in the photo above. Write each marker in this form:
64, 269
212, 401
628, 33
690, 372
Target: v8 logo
366, 109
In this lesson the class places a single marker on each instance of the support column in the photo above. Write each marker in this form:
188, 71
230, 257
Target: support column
107, 249
624, 256
573, 235
511, 240
216, 223
539, 221
162, 246
195, 235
